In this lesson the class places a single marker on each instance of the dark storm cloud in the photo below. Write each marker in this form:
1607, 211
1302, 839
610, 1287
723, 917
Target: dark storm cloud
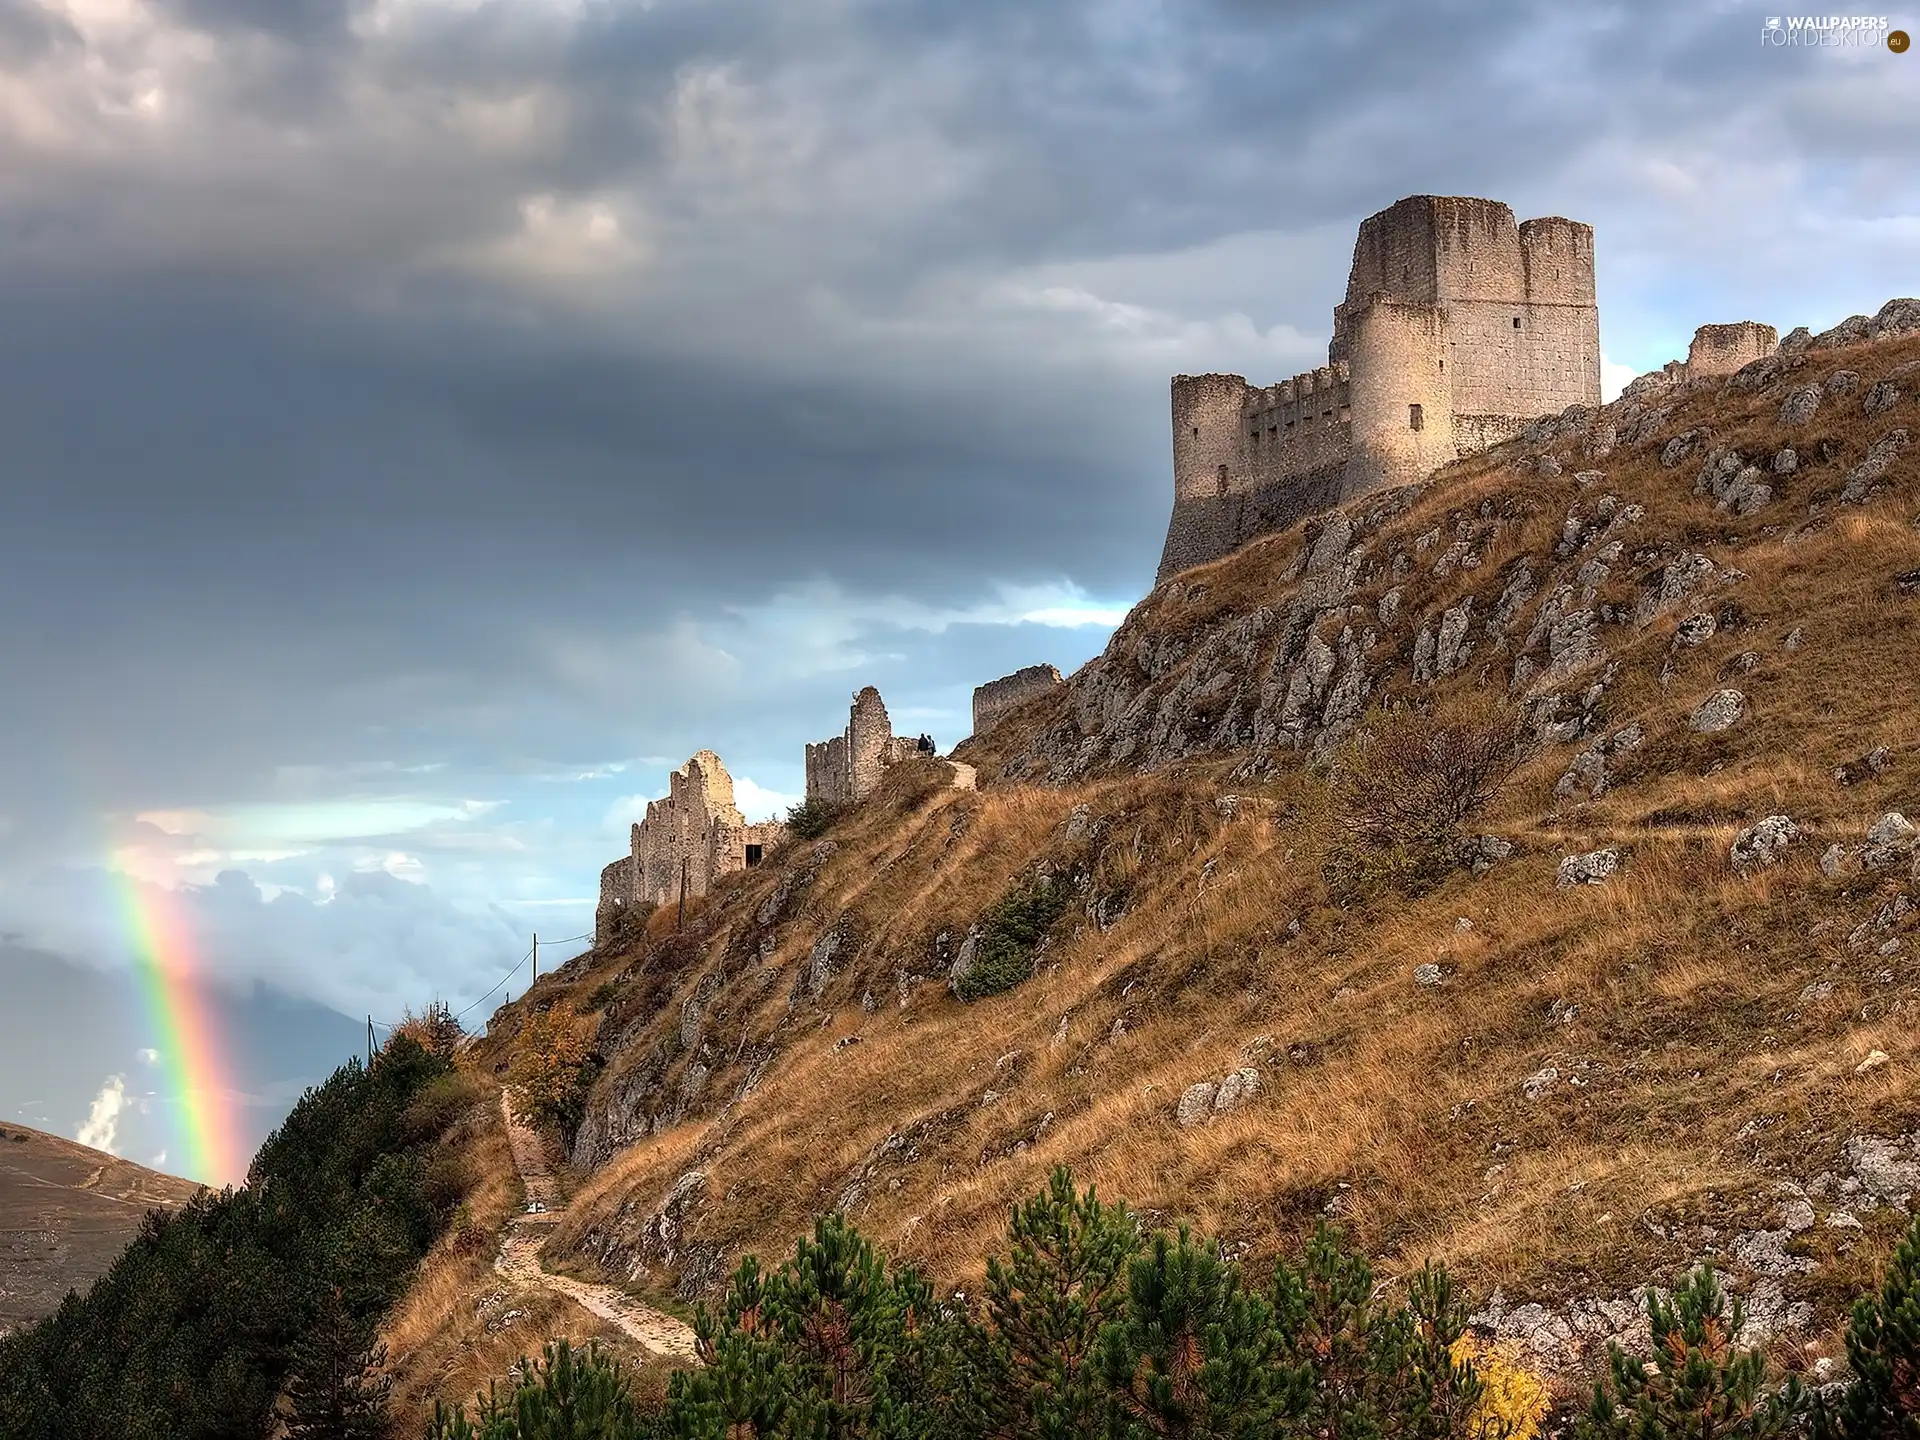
408, 403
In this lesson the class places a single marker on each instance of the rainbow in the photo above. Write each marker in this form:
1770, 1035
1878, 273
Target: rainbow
180, 1016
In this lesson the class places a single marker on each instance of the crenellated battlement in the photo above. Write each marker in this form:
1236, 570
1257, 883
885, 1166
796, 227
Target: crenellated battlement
1459, 327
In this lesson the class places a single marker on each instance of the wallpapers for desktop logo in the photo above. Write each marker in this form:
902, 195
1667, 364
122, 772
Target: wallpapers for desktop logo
1832, 30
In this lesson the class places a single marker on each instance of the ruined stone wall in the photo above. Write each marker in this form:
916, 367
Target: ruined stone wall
1723, 349
692, 837
869, 743
616, 894
846, 768
828, 777
994, 699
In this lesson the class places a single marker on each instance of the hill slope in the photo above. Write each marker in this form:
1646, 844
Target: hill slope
66, 1211
1564, 1089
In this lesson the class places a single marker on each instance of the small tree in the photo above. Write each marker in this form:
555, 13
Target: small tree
1883, 1346
1064, 1279
337, 1390
1403, 789
1702, 1388
812, 818
434, 1030
550, 1070
1193, 1355
567, 1394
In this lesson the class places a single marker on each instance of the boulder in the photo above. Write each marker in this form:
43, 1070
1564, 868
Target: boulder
1874, 762
1842, 382
1429, 975
1786, 462
1236, 1089
1720, 711
1196, 1104
1590, 868
1764, 844
1881, 398
1800, 406
1880, 457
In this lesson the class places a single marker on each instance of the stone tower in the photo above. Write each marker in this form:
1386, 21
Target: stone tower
1458, 328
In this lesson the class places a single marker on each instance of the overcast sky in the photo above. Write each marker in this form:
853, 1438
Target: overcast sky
423, 423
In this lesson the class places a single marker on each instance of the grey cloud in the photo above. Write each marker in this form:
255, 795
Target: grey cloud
413, 413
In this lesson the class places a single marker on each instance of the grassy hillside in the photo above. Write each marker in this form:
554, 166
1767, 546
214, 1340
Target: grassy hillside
1562, 1090
65, 1211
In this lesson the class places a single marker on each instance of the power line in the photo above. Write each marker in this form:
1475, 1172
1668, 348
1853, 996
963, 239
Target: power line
588, 935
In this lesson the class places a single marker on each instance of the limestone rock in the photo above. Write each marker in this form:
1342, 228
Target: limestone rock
1786, 462
1842, 382
1892, 828
1590, 868
1696, 629
1800, 406
1540, 1082
1881, 398
1874, 762
1880, 457
1429, 975
1196, 1104
1720, 711
1480, 853
1764, 844
1236, 1089
1833, 861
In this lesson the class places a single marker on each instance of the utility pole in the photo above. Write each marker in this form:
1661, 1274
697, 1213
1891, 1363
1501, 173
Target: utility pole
369, 1039
536, 958
681, 918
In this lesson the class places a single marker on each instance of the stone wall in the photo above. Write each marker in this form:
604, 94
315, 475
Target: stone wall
616, 894
692, 837
1459, 327
994, 699
846, 768
1723, 349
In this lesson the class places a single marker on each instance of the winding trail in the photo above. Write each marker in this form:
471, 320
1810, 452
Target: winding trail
527, 1232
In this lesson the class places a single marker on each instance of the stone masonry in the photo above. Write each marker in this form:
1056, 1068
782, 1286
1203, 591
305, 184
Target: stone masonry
846, 768
994, 699
689, 839
1459, 327
1722, 349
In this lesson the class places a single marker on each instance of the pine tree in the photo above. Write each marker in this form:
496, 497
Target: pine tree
1064, 1279
1193, 1355
1703, 1387
336, 1390
1883, 1346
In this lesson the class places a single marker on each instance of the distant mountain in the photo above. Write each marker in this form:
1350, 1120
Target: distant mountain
65, 1212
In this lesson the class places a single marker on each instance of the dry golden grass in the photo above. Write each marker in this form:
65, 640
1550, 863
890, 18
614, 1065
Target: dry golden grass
1692, 1078
448, 1338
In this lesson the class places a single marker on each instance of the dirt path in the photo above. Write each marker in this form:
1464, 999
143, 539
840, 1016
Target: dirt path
519, 1258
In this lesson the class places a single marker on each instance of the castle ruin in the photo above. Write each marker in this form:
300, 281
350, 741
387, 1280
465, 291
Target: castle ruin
993, 700
845, 769
1722, 349
1459, 328
684, 844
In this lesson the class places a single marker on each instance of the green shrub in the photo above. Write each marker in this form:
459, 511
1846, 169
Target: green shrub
1702, 1388
1883, 1346
567, 1394
1009, 934
812, 818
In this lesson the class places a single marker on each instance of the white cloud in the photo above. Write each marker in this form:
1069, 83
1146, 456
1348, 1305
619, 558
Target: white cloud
99, 1129
758, 803
158, 1161
148, 1057
1614, 378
